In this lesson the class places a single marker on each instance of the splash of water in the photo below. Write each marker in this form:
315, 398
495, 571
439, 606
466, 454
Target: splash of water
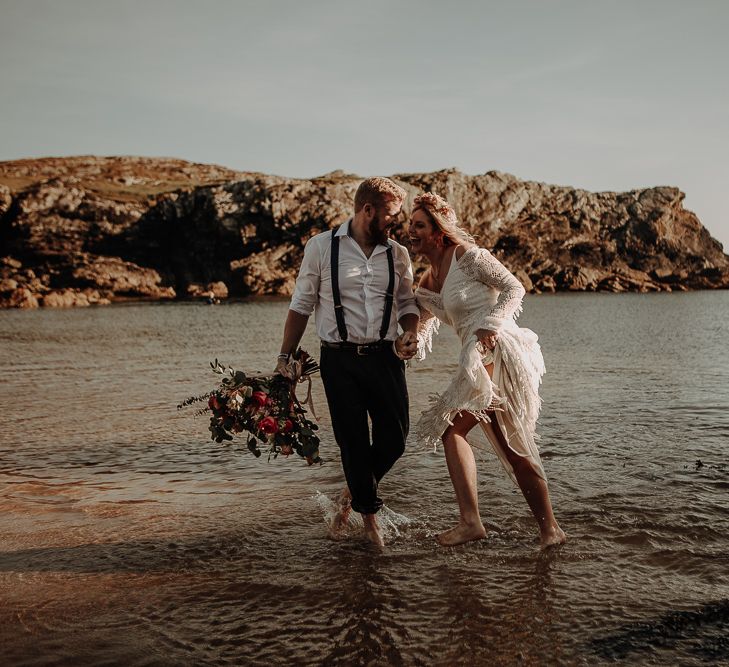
391, 523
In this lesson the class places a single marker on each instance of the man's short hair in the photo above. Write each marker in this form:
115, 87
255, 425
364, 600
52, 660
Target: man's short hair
377, 191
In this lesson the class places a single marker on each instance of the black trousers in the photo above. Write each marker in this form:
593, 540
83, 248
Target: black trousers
357, 387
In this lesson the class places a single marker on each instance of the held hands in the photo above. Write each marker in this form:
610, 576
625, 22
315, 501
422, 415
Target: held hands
406, 345
487, 338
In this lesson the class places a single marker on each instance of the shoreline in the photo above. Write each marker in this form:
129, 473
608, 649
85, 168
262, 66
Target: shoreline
275, 298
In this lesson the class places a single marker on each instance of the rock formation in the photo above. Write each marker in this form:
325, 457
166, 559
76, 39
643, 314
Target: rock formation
88, 230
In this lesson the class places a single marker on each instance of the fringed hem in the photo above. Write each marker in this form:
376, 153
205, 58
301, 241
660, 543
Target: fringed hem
435, 420
433, 441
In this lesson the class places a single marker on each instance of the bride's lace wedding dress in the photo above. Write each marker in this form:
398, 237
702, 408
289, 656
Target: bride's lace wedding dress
480, 293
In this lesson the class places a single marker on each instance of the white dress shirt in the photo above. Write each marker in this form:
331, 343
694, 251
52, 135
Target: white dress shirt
362, 285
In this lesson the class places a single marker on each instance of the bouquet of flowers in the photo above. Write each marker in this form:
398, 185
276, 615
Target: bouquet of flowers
265, 407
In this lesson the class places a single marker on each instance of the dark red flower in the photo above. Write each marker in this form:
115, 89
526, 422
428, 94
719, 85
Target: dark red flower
288, 425
268, 425
259, 398
213, 403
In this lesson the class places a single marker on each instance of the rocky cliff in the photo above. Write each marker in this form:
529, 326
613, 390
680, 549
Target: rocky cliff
86, 230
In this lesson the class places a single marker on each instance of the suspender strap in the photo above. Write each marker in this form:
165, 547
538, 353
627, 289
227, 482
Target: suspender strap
338, 309
390, 293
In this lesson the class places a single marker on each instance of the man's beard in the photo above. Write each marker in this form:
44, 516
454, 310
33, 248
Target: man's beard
377, 235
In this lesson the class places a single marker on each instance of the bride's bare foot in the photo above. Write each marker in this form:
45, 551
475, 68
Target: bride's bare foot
372, 530
344, 509
462, 533
552, 536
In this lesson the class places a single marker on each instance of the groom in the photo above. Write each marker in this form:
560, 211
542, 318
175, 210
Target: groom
359, 284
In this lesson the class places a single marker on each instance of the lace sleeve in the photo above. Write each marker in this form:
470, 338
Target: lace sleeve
427, 327
479, 264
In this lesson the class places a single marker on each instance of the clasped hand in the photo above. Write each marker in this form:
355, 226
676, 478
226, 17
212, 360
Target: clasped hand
406, 345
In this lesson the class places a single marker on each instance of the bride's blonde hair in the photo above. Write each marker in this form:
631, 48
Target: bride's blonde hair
443, 216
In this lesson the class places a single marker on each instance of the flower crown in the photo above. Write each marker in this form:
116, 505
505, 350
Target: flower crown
436, 204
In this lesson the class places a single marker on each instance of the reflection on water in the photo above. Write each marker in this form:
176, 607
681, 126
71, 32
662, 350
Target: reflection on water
126, 537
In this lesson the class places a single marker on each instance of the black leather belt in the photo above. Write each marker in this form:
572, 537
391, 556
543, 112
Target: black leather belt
364, 349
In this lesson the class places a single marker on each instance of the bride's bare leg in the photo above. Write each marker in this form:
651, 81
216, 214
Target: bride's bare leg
462, 469
532, 486
535, 491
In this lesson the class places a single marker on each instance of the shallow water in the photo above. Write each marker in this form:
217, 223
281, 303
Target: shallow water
127, 537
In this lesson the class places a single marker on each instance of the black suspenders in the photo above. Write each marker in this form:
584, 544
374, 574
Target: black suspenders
388, 297
338, 308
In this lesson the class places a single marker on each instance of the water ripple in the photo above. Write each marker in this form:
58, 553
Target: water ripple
126, 537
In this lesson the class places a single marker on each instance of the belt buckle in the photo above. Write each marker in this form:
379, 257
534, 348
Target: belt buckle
360, 352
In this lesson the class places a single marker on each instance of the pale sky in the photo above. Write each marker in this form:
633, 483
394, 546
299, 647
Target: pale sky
602, 95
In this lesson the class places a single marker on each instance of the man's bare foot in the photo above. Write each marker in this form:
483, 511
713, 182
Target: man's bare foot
372, 530
461, 534
344, 509
340, 521
552, 536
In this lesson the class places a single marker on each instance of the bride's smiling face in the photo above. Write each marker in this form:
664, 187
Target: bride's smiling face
422, 233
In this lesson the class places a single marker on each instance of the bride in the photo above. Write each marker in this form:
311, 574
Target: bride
496, 386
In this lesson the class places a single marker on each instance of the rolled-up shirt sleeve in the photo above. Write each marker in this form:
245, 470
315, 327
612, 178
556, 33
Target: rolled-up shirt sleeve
404, 297
306, 292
